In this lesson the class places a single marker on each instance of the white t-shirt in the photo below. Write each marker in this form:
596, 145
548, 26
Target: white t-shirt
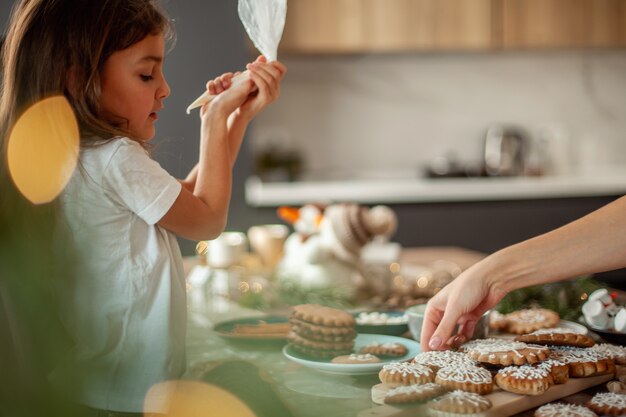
127, 307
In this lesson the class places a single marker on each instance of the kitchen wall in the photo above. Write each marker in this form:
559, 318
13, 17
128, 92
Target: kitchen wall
386, 115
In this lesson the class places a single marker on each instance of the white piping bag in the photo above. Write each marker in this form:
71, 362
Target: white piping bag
264, 21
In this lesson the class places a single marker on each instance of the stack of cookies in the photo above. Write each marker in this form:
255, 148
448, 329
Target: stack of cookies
321, 332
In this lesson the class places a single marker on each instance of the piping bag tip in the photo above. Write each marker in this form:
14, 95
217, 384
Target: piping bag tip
200, 101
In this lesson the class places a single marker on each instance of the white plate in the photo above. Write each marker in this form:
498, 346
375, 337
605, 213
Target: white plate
324, 365
576, 327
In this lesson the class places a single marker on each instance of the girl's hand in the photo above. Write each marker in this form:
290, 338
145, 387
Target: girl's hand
227, 99
267, 77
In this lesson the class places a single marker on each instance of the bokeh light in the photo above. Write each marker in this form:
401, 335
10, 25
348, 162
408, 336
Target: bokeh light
196, 399
43, 149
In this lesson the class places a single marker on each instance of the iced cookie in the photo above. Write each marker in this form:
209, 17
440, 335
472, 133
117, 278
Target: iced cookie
505, 353
465, 378
564, 410
525, 379
583, 362
405, 373
559, 371
437, 359
530, 320
413, 393
557, 336
356, 359
608, 404
617, 353
459, 402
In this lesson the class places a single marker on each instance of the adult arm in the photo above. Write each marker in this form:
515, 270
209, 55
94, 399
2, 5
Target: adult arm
594, 243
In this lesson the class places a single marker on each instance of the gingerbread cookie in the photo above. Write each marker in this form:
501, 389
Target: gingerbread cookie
559, 371
437, 359
321, 332
406, 394
385, 349
525, 379
564, 410
608, 404
617, 353
324, 316
583, 362
405, 373
465, 378
497, 321
530, 320
459, 402
356, 359
505, 353
557, 336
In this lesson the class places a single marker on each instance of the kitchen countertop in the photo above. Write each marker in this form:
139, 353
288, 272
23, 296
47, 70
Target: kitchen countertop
424, 190
261, 372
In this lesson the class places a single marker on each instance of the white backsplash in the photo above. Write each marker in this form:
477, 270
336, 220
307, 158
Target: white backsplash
386, 115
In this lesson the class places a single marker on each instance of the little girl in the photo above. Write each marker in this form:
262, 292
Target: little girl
127, 310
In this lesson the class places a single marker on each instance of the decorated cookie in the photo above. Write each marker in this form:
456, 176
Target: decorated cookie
437, 359
405, 373
504, 352
525, 379
564, 410
583, 362
459, 402
385, 349
465, 378
529, 320
356, 359
557, 336
413, 393
559, 371
617, 353
608, 404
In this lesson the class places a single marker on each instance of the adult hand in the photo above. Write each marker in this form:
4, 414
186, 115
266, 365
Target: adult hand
460, 303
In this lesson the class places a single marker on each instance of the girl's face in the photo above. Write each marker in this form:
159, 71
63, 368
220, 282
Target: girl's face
133, 86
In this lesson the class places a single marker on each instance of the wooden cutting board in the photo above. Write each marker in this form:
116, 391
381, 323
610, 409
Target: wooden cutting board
505, 403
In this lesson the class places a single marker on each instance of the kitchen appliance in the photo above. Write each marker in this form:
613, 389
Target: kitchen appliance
506, 150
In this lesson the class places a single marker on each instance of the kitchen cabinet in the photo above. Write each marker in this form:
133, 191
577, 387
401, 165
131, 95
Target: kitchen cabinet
563, 23
336, 26
363, 26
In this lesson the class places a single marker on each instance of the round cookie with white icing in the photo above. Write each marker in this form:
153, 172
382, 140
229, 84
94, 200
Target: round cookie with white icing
608, 404
504, 352
406, 394
525, 379
437, 359
583, 362
531, 319
405, 373
617, 353
459, 402
559, 371
557, 336
356, 358
564, 410
465, 378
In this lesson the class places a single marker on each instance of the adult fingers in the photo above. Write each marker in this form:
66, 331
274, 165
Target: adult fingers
432, 317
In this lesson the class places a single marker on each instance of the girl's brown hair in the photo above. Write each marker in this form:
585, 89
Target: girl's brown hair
50, 42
